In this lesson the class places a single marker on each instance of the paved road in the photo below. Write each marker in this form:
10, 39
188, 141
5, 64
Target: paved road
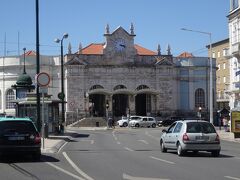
124, 154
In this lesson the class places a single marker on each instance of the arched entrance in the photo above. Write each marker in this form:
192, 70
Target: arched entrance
97, 105
143, 104
120, 104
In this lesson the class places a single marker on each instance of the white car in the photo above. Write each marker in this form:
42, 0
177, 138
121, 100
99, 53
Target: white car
124, 121
143, 122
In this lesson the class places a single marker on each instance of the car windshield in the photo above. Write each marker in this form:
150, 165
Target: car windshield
16, 126
135, 118
200, 127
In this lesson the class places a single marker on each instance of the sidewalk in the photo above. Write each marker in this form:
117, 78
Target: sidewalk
227, 136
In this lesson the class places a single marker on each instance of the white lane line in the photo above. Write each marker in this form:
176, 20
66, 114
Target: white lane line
118, 142
76, 167
128, 177
237, 157
143, 141
169, 162
114, 135
87, 140
64, 171
62, 147
151, 136
230, 177
128, 149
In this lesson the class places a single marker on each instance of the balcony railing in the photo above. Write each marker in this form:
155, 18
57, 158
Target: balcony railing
236, 50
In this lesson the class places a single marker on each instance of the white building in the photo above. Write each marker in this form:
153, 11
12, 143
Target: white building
121, 74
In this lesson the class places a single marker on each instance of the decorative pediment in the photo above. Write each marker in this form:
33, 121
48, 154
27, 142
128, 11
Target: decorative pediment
163, 61
76, 61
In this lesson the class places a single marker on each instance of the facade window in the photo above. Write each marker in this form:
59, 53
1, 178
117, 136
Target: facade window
219, 66
199, 98
219, 54
234, 33
142, 87
0, 100
9, 97
224, 79
96, 87
213, 55
119, 87
224, 65
234, 4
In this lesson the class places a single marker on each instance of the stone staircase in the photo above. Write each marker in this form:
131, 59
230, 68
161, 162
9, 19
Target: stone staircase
90, 122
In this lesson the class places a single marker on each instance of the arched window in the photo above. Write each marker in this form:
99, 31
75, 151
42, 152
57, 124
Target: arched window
9, 97
199, 98
142, 87
96, 87
119, 87
0, 99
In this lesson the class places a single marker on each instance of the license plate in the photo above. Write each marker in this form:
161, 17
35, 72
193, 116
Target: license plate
205, 138
16, 138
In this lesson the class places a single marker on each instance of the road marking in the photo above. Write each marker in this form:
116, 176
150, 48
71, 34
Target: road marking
237, 157
143, 141
86, 140
118, 142
169, 162
230, 177
125, 176
128, 149
64, 171
115, 137
62, 147
76, 167
151, 136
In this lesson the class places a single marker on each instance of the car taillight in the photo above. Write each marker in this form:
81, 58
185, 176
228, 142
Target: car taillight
37, 139
217, 138
185, 137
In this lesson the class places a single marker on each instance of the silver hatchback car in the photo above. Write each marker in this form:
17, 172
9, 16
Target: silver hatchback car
191, 135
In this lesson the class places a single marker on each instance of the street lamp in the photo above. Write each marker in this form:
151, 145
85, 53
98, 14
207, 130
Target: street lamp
200, 111
210, 76
24, 56
62, 95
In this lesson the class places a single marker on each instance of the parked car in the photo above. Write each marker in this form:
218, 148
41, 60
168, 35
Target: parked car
19, 135
191, 135
124, 121
143, 122
169, 121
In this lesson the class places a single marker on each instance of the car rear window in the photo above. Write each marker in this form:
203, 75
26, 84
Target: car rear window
200, 127
16, 126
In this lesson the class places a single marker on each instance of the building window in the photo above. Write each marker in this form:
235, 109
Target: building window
219, 66
234, 4
119, 87
0, 100
218, 54
213, 54
224, 65
224, 79
9, 97
199, 98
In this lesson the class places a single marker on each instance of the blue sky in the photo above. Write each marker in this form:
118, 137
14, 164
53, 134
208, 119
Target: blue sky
155, 22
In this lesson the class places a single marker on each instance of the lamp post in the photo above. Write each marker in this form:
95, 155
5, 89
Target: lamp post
62, 95
24, 56
200, 111
210, 76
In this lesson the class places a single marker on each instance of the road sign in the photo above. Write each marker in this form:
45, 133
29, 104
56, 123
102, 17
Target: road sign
43, 79
61, 95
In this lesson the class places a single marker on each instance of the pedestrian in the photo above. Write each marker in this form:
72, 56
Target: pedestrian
225, 124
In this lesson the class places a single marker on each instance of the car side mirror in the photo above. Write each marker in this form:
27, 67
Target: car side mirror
164, 131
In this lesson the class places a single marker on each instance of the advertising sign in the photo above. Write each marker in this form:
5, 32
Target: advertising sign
235, 121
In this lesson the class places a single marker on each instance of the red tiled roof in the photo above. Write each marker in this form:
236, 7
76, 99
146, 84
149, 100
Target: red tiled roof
30, 53
98, 49
186, 55
143, 51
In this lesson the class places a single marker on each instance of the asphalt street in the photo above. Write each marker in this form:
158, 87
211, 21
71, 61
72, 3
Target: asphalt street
123, 154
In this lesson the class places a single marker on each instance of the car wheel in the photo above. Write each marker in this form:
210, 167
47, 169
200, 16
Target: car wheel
36, 156
125, 124
153, 125
180, 152
215, 153
162, 147
137, 125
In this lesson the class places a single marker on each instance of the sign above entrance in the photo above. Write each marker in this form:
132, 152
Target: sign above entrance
42, 79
